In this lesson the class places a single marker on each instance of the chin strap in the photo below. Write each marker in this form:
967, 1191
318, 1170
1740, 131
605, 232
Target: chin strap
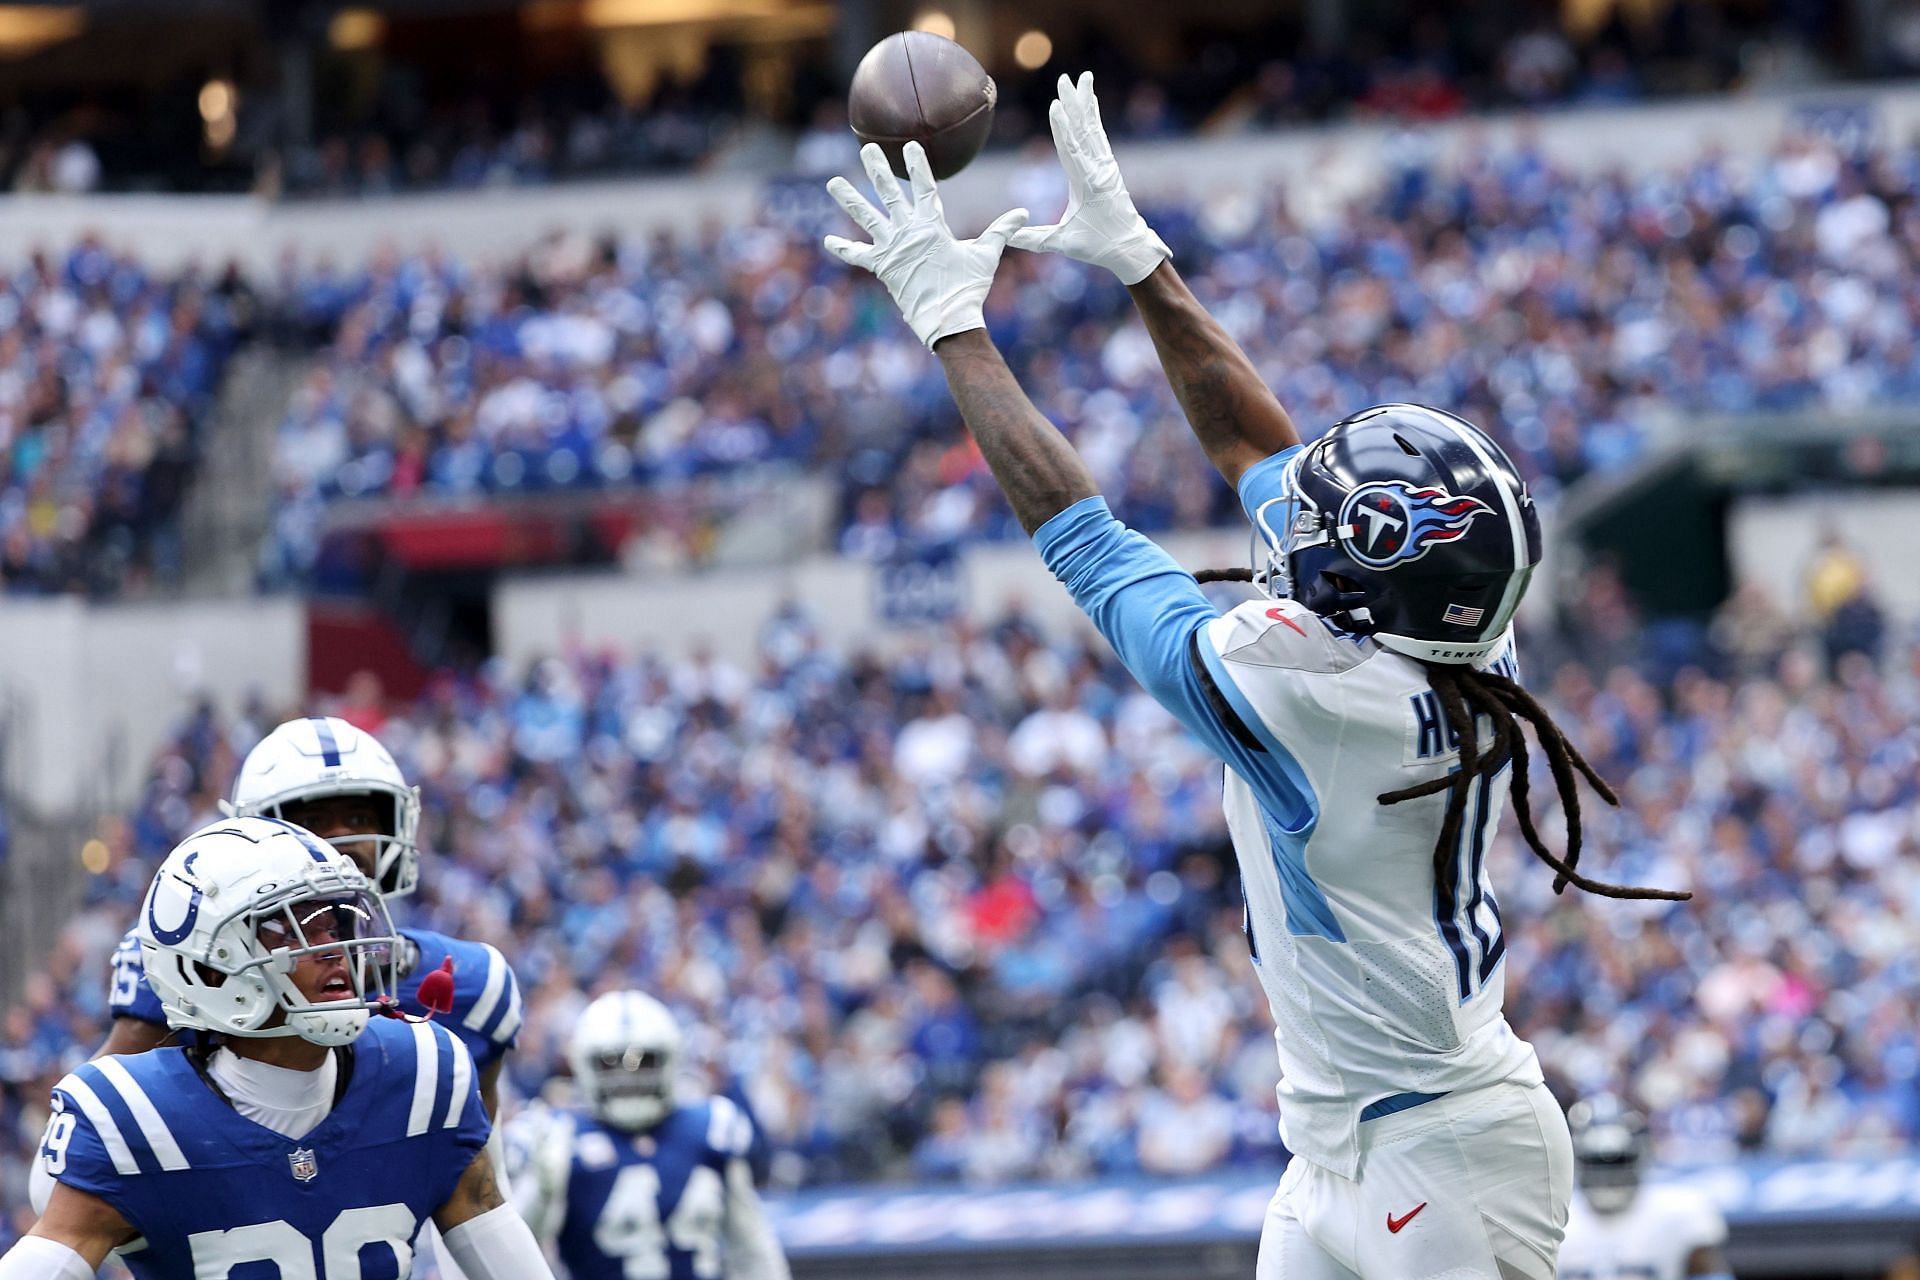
1345, 609
435, 992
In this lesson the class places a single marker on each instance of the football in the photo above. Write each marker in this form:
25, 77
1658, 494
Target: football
915, 86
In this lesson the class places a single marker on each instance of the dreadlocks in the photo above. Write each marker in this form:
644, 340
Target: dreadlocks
1465, 695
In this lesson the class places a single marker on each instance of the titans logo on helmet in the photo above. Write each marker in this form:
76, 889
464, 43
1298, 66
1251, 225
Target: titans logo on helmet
1390, 522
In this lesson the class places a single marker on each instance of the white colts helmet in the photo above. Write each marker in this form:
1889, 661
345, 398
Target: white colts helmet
624, 1052
320, 756
235, 907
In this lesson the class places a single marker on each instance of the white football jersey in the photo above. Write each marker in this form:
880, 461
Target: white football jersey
1385, 979
1651, 1240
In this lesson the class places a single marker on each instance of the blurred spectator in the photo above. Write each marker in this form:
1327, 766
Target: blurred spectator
513, 125
1186, 1129
106, 373
1837, 591
974, 973
1574, 315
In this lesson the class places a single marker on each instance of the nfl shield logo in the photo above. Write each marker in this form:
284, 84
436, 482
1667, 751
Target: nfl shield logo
305, 1167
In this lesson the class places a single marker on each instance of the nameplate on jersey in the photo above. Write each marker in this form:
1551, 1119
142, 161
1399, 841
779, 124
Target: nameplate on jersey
1429, 737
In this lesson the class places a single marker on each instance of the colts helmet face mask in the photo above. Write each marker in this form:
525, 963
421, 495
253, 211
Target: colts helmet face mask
1406, 524
624, 1054
319, 757
1610, 1150
234, 909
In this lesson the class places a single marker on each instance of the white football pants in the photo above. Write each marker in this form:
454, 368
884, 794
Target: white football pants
1472, 1186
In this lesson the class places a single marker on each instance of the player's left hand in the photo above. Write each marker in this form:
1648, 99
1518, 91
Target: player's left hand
1100, 226
939, 282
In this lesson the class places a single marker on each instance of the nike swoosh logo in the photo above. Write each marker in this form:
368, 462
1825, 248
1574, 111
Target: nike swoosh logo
1280, 616
1394, 1224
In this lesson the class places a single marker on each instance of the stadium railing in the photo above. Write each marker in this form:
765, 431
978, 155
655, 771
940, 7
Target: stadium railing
1339, 159
1786, 1219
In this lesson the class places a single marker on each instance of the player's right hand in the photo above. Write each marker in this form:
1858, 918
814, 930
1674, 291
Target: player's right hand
940, 282
1100, 226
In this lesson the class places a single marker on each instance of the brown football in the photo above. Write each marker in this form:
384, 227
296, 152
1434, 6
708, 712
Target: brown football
917, 86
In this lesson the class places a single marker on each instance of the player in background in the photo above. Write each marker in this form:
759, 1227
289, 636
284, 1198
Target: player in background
1622, 1230
293, 1134
323, 774
1368, 711
635, 1182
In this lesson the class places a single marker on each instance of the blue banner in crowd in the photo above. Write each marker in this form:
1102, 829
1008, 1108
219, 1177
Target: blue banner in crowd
1231, 1206
919, 585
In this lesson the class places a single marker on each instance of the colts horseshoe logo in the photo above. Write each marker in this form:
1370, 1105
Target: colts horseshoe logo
174, 937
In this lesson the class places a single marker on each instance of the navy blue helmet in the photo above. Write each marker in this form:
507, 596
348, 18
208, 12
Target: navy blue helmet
1407, 524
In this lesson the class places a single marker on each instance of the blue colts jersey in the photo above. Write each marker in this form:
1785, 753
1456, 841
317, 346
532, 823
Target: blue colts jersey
486, 997
213, 1194
647, 1204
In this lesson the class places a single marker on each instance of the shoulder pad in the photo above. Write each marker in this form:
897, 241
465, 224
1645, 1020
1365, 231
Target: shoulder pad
1287, 634
729, 1132
428, 1075
486, 995
115, 1123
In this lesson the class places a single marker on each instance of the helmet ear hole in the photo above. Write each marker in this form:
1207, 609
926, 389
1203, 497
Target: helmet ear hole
212, 977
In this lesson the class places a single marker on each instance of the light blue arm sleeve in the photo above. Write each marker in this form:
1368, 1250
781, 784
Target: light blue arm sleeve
1264, 481
1154, 615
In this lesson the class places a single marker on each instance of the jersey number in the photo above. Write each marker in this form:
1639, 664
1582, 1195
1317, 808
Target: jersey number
630, 1226
1469, 918
217, 1253
54, 1143
129, 967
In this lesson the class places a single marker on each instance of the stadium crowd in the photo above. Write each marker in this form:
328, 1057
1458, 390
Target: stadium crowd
396, 121
1566, 312
968, 911
106, 370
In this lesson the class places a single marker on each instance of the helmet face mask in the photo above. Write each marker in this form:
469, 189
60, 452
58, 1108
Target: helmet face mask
319, 758
624, 1053
1406, 524
1610, 1147
1610, 1185
237, 908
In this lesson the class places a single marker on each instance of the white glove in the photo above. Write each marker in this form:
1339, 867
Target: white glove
1100, 225
939, 283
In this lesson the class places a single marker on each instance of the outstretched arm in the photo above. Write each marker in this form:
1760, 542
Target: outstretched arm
1148, 607
1234, 414
941, 284
1037, 469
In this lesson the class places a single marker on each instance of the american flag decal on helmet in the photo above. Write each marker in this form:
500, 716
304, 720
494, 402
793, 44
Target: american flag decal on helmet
1460, 615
